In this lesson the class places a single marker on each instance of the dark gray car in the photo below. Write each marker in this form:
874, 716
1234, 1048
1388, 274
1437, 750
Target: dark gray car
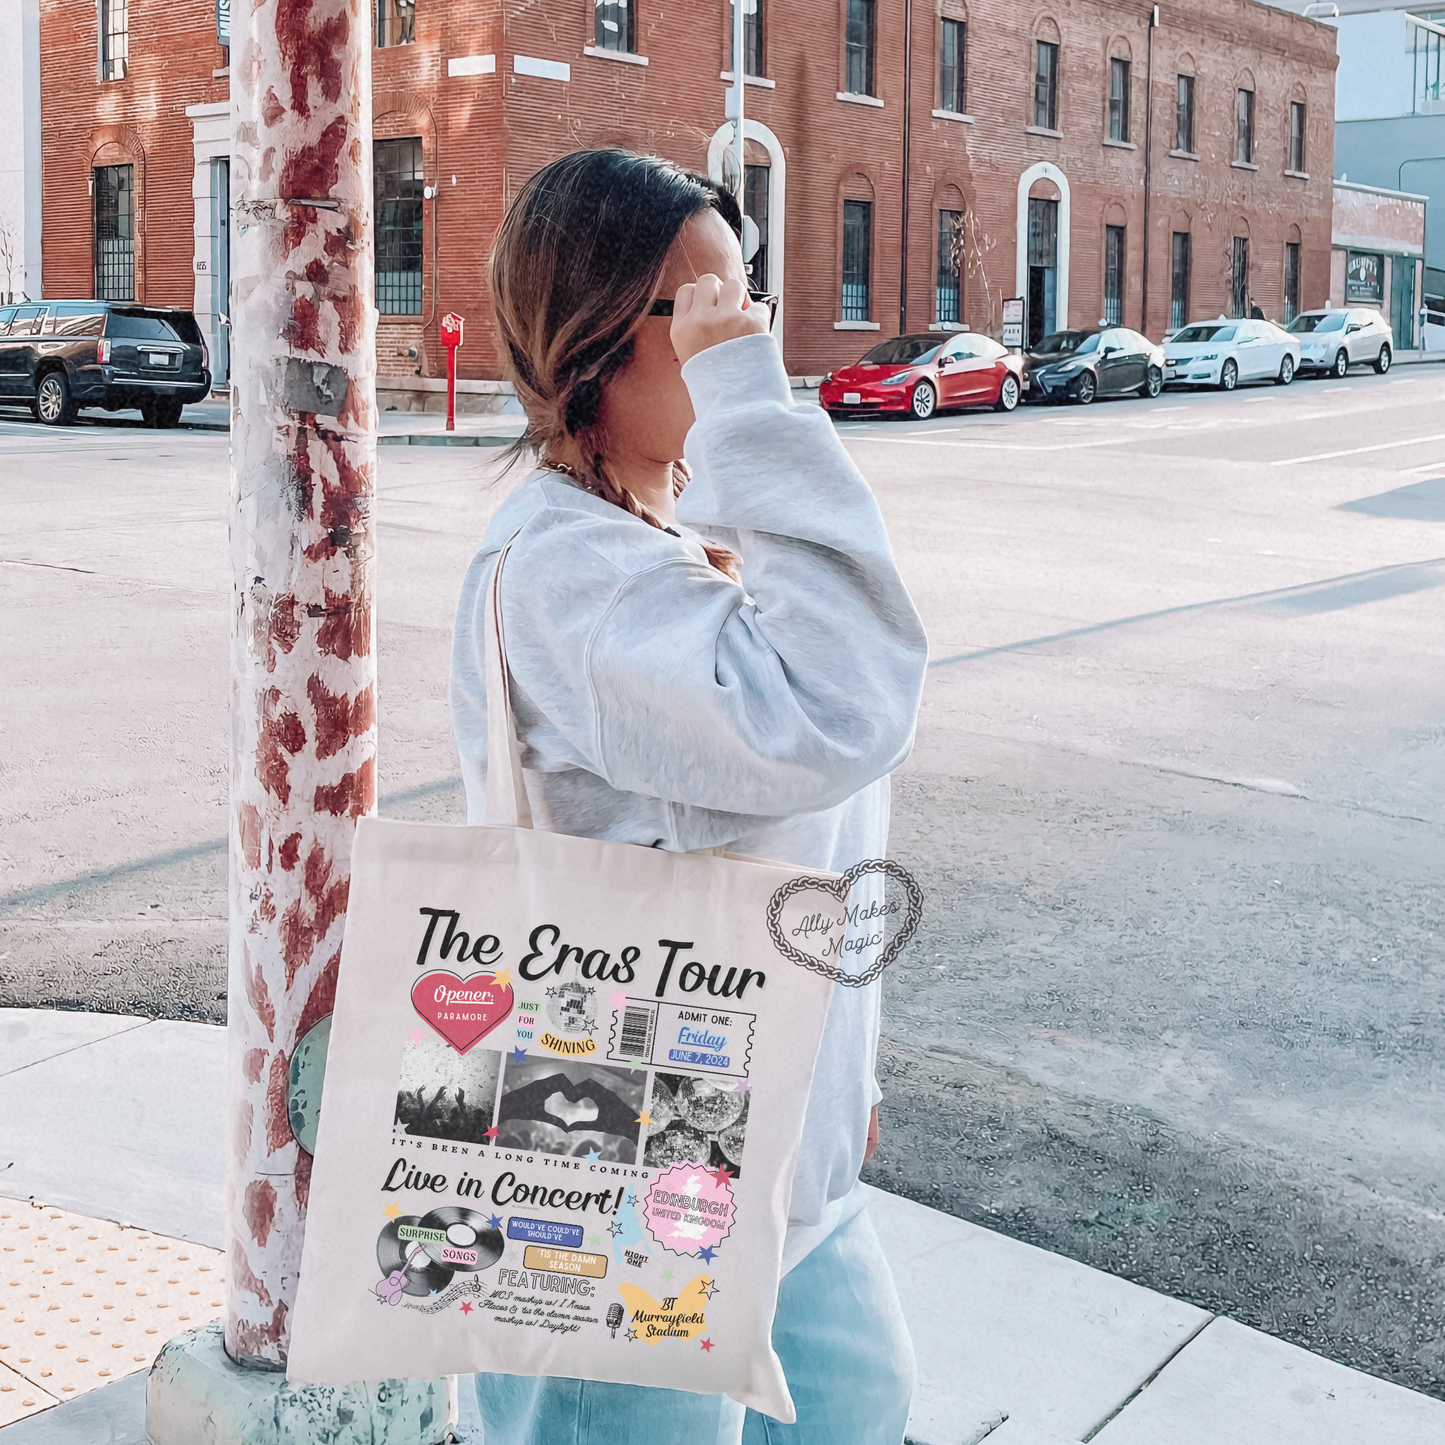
58, 356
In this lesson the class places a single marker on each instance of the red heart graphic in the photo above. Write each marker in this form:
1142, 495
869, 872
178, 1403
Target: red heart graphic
462, 1011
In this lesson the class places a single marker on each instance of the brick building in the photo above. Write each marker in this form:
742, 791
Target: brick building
1021, 148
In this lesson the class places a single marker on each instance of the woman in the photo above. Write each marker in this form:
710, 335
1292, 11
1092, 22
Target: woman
736, 663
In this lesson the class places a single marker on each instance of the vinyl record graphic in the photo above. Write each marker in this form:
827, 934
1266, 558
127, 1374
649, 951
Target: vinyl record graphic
423, 1274
466, 1229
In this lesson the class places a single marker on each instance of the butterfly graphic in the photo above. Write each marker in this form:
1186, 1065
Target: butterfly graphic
679, 1317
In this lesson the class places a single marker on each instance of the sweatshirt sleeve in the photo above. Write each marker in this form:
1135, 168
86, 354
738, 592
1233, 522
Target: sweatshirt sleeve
792, 695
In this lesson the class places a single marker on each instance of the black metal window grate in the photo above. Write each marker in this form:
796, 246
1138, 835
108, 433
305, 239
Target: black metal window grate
949, 289
952, 92
398, 180
1297, 137
395, 22
1244, 127
114, 39
1291, 281
1184, 116
614, 25
857, 259
752, 37
1043, 231
755, 204
1239, 278
1046, 85
1119, 100
858, 46
1179, 282
1113, 275
115, 233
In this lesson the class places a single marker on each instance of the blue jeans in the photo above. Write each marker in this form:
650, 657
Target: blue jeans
845, 1350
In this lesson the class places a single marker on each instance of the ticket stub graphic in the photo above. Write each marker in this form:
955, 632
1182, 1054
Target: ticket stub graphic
681, 1036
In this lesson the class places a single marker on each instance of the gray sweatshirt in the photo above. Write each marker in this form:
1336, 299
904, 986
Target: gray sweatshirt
659, 703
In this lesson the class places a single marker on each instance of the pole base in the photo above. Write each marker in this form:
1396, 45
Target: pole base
198, 1395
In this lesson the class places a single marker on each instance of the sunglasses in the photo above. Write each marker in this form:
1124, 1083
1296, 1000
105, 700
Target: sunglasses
663, 307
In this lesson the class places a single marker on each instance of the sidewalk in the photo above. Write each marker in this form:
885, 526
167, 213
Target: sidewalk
394, 428
1015, 1345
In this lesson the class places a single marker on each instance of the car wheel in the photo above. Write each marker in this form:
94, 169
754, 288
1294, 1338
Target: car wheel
1008, 393
1286, 372
1342, 363
1153, 383
1383, 360
170, 411
1229, 375
1085, 388
52, 400
924, 400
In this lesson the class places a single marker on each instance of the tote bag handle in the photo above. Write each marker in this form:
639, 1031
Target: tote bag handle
507, 804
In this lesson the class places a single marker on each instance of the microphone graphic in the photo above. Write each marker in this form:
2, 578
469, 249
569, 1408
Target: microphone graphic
614, 1318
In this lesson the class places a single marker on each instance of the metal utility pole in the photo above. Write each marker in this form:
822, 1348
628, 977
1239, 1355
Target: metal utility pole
302, 691
740, 66
1148, 164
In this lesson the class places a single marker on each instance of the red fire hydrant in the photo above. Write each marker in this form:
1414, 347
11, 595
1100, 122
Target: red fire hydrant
451, 339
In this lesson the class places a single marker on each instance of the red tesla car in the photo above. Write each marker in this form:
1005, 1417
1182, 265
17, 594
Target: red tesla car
919, 375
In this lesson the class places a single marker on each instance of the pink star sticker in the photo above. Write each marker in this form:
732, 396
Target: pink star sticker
466, 1307
741, 1087
417, 1034
720, 1175
619, 999
492, 1134
707, 1345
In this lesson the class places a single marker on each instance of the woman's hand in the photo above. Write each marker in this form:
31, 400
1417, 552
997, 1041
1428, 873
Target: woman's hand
708, 311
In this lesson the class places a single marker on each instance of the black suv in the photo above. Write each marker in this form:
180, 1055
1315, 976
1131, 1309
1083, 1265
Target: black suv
56, 356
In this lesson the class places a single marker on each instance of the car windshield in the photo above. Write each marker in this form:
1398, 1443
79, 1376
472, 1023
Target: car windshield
1191, 334
1063, 341
902, 351
1088, 344
154, 326
1329, 321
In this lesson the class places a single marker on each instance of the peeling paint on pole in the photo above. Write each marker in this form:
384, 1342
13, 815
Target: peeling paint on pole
303, 673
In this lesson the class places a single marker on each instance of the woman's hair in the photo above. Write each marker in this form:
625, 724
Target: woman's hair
575, 268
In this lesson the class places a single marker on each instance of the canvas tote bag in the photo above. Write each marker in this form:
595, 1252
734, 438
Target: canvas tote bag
562, 1107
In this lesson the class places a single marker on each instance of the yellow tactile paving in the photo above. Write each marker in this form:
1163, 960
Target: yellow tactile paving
84, 1301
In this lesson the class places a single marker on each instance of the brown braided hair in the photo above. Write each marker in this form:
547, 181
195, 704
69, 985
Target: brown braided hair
576, 264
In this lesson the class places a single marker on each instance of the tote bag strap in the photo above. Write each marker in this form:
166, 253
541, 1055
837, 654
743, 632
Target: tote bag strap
507, 804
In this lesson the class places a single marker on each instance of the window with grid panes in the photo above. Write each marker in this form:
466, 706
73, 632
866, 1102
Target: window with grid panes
395, 22
951, 91
858, 46
1113, 275
948, 291
1244, 126
1119, 100
1179, 282
397, 168
115, 233
857, 259
614, 25
1046, 85
1184, 115
114, 39
1297, 136
752, 37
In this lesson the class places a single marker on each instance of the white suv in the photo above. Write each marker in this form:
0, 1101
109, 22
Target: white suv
1334, 341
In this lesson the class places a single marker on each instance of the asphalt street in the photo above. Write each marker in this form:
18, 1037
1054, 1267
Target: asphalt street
1177, 802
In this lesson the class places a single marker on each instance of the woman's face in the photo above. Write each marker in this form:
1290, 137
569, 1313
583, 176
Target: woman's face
646, 411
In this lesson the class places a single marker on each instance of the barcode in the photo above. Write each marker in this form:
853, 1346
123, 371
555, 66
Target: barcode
636, 1028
